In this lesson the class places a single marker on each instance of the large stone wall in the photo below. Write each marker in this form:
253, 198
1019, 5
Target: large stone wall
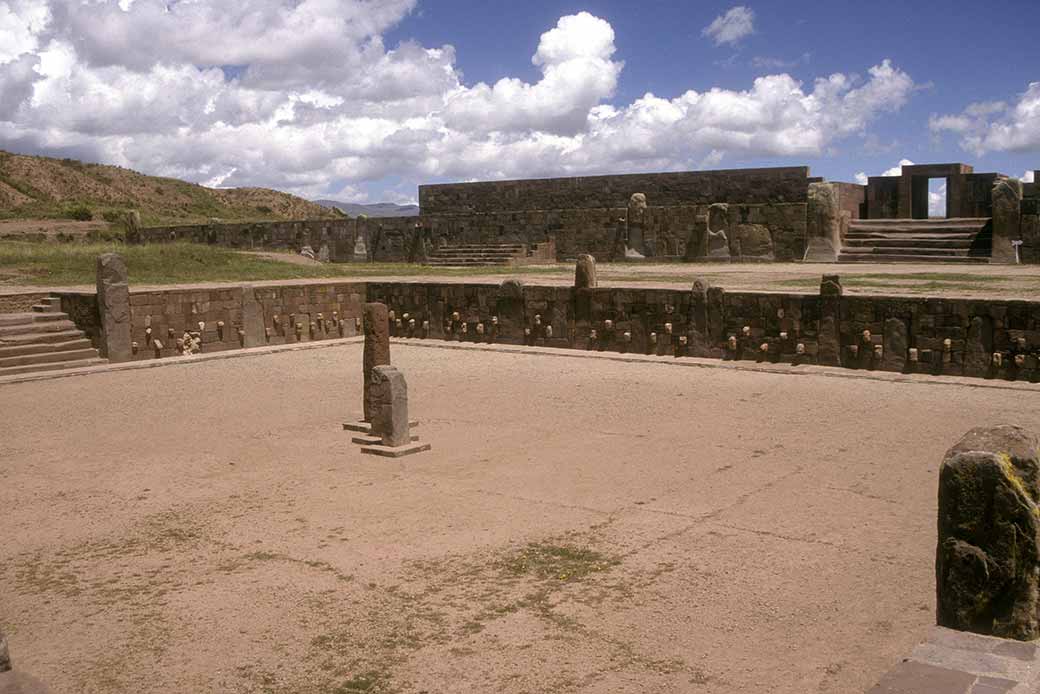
667, 232
748, 186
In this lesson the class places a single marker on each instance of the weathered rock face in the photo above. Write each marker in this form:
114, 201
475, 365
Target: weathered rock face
988, 556
823, 231
113, 294
585, 272
390, 406
1007, 218
751, 241
377, 349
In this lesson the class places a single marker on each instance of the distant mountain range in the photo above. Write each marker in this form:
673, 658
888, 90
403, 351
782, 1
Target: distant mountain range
379, 209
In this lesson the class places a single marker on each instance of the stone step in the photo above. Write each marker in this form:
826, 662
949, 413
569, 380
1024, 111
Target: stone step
906, 250
871, 258
924, 223
963, 244
45, 337
55, 366
51, 304
42, 347
51, 325
16, 319
48, 357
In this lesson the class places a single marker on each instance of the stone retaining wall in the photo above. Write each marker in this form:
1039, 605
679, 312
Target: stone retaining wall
972, 337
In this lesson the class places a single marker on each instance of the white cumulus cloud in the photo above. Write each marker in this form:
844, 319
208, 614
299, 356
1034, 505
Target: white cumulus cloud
996, 126
732, 26
303, 95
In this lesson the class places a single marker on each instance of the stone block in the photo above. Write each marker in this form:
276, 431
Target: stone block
988, 553
389, 393
585, 272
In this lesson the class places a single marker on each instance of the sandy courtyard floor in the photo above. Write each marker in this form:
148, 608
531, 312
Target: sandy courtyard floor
581, 525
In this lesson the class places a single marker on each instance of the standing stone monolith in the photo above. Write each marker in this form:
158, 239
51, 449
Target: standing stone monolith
823, 223
377, 349
1007, 218
390, 406
987, 563
830, 321
113, 297
896, 342
133, 227
585, 272
252, 318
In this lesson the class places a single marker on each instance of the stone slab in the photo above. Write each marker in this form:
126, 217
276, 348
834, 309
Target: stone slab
396, 451
366, 427
373, 440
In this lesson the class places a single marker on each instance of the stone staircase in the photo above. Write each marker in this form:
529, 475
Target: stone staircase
477, 255
955, 240
43, 340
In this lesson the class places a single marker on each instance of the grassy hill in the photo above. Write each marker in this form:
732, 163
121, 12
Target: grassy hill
44, 188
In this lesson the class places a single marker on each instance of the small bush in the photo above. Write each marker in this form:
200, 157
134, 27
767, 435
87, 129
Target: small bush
80, 213
264, 209
113, 216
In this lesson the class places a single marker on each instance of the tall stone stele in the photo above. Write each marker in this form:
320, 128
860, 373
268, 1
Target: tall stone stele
987, 563
823, 223
585, 272
377, 350
1007, 218
113, 297
390, 406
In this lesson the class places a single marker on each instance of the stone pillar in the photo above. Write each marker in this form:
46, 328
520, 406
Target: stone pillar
377, 349
113, 297
390, 406
133, 227
635, 226
252, 318
987, 563
829, 335
823, 224
585, 272
1007, 218
896, 345
716, 242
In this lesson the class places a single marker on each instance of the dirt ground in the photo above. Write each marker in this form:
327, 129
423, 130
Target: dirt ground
581, 525
51, 229
970, 281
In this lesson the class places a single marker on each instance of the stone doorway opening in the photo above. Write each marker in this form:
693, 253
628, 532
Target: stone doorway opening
937, 206
928, 197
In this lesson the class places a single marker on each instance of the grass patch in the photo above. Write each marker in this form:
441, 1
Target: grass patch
558, 562
176, 263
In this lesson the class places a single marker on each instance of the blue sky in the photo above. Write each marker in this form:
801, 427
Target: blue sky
361, 100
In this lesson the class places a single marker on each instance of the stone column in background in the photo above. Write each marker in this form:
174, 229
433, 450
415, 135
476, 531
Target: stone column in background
987, 564
585, 272
252, 318
113, 297
830, 321
133, 227
377, 349
1007, 218
389, 393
